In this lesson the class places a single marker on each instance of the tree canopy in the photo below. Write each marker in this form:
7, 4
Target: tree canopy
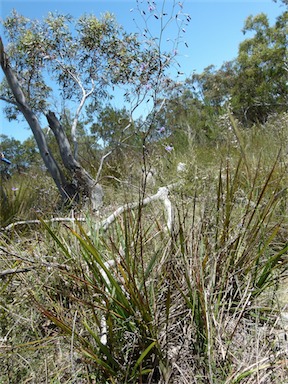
69, 64
261, 85
62, 63
255, 83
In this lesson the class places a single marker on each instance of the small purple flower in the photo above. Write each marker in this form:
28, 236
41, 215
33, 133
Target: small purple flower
169, 148
151, 8
14, 189
161, 130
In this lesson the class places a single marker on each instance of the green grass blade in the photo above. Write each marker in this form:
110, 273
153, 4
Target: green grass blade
142, 357
269, 267
103, 348
57, 240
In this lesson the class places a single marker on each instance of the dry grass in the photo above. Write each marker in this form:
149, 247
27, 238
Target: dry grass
200, 305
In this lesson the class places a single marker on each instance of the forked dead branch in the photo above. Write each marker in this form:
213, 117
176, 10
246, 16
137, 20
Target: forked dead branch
161, 195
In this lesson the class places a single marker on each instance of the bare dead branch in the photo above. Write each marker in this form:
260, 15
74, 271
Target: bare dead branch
54, 219
85, 96
36, 262
161, 195
14, 271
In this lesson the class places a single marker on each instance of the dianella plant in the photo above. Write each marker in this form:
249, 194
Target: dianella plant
148, 305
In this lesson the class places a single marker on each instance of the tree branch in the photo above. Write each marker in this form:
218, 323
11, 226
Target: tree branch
85, 95
53, 220
162, 195
76, 118
11, 77
9, 101
101, 166
31, 119
15, 270
63, 143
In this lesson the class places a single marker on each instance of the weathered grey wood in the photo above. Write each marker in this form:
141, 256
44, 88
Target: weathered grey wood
32, 120
82, 183
85, 183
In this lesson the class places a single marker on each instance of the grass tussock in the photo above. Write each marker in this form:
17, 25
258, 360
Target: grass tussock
140, 304
26, 196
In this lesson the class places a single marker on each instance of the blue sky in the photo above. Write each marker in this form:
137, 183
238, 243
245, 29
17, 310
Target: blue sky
213, 35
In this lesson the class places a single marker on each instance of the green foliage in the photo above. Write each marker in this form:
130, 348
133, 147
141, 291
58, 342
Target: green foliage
212, 86
84, 61
282, 1
255, 83
15, 202
261, 84
114, 127
121, 296
22, 155
96, 53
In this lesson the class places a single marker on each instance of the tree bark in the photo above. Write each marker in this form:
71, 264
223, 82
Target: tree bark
33, 122
85, 185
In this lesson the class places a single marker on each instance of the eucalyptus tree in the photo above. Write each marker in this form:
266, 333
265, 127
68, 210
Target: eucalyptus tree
254, 84
22, 154
113, 127
261, 85
77, 63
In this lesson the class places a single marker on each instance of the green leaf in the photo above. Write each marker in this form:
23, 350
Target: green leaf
103, 348
142, 357
269, 267
56, 238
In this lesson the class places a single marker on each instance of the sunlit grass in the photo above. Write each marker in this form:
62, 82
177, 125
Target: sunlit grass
137, 304
25, 197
